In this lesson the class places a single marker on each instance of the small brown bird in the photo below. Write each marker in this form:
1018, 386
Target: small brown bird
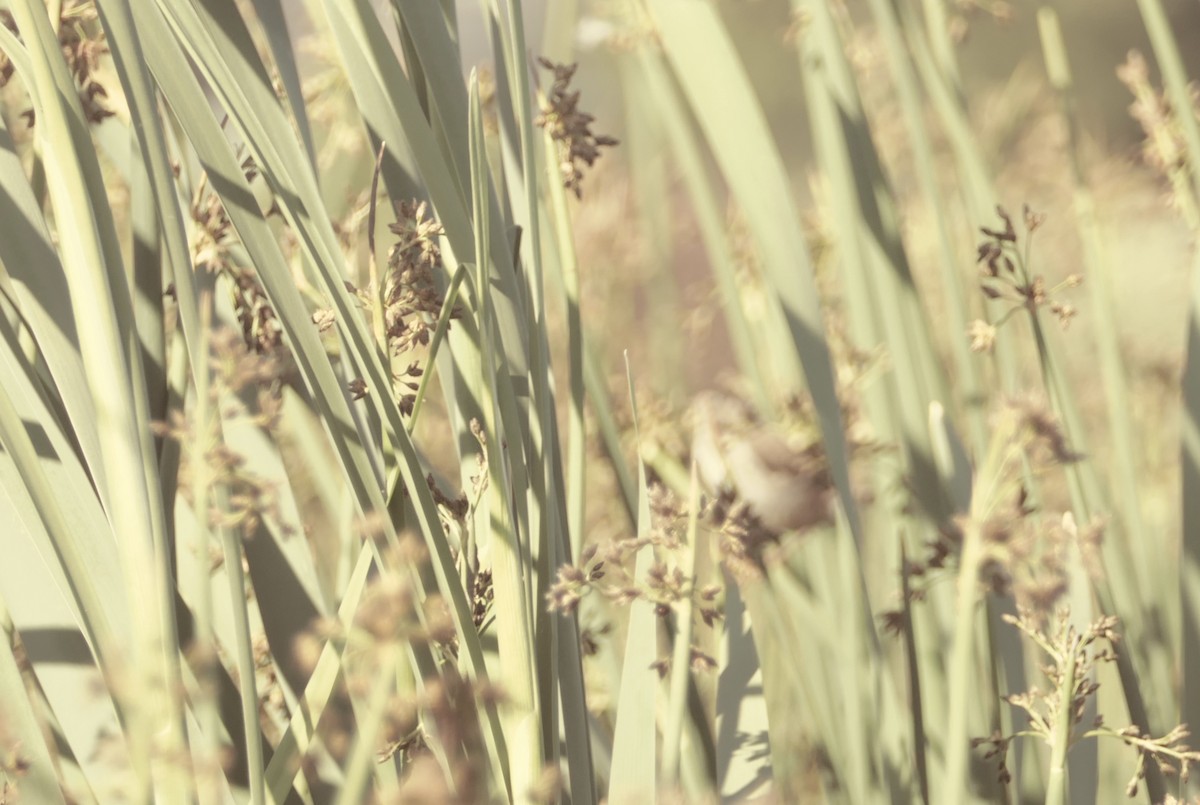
784, 485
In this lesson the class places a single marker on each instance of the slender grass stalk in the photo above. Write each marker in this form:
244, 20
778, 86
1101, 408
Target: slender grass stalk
1056, 785
681, 653
1175, 78
1002, 453
634, 774
514, 624
204, 646
94, 272
574, 705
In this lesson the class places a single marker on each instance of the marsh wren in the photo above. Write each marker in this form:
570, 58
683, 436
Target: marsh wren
782, 483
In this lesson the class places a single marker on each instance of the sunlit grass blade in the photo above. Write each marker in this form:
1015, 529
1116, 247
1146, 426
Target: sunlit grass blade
297, 740
112, 364
570, 666
509, 547
681, 655
42, 297
634, 777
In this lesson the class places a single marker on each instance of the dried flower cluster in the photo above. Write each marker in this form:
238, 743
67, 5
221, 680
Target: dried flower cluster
411, 302
6, 65
251, 499
570, 128
214, 240
1024, 549
410, 298
1025, 555
1073, 657
605, 570
1006, 277
272, 705
82, 41
1164, 148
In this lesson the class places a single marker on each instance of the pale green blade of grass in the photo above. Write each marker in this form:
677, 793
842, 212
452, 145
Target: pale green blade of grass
244, 652
1145, 668
147, 286
283, 52
1166, 52
41, 291
400, 119
865, 225
220, 44
916, 681
943, 85
203, 647
757, 681
1099, 279
718, 90
969, 388
566, 267
125, 45
435, 343
610, 435
549, 515
69, 596
836, 119
510, 567
214, 152
415, 70
883, 305
70, 532
681, 655
573, 695
928, 622
548, 518
400, 115
112, 364
24, 737
633, 777
817, 695
1117, 592
840, 687
1152, 564
737, 670
993, 469
298, 739
183, 93
379, 117
439, 64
